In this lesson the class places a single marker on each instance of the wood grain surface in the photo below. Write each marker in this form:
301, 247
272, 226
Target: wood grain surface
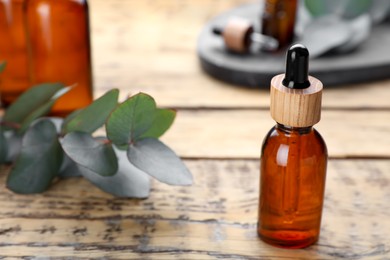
215, 218
239, 133
149, 46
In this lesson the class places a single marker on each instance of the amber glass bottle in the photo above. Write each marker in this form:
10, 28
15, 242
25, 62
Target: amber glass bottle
293, 160
278, 20
59, 49
13, 50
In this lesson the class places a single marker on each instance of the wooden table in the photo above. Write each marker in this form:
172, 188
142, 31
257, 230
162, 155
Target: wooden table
149, 46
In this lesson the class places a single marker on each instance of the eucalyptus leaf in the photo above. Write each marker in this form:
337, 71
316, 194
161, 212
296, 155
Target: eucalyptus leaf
131, 119
92, 154
159, 161
3, 147
14, 143
128, 182
71, 116
57, 121
68, 168
2, 66
40, 111
163, 120
39, 160
316, 8
122, 147
30, 100
342, 8
92, 117
324, 34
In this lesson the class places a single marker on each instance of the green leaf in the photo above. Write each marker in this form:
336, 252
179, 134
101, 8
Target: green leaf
68, 168
41, 111
92, 154
2, 66
3, 147
342, 8
163, 120
14, 143
70, 117
57, 121
131, 119
92, 117
31, 100
159, 161
128, 182
39, 160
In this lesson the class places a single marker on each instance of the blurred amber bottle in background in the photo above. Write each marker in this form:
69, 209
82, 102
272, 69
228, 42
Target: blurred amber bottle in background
278, 20
13, 50
59, 49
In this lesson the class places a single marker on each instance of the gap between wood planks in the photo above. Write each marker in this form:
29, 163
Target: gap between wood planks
199, 158
266, 108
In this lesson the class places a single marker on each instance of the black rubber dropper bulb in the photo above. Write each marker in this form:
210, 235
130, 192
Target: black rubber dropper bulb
217, 31
297, 67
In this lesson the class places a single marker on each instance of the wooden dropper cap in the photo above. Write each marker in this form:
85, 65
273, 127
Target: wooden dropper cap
236, 34
296, 96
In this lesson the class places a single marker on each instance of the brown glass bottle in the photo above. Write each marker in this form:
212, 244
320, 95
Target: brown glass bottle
278, 20
293, 171
59, 49
293, 158
13, 50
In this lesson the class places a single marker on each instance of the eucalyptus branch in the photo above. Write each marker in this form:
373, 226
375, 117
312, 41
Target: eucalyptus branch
121, 163
10, 124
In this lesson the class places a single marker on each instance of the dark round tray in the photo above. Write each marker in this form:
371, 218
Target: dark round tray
371, 61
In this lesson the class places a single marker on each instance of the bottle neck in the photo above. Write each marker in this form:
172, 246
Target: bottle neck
290, 130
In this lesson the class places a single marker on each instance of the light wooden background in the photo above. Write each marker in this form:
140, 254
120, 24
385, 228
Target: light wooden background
149, 46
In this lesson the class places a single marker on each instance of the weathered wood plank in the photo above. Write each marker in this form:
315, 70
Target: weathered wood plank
239, 133
151, 47
214, 218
